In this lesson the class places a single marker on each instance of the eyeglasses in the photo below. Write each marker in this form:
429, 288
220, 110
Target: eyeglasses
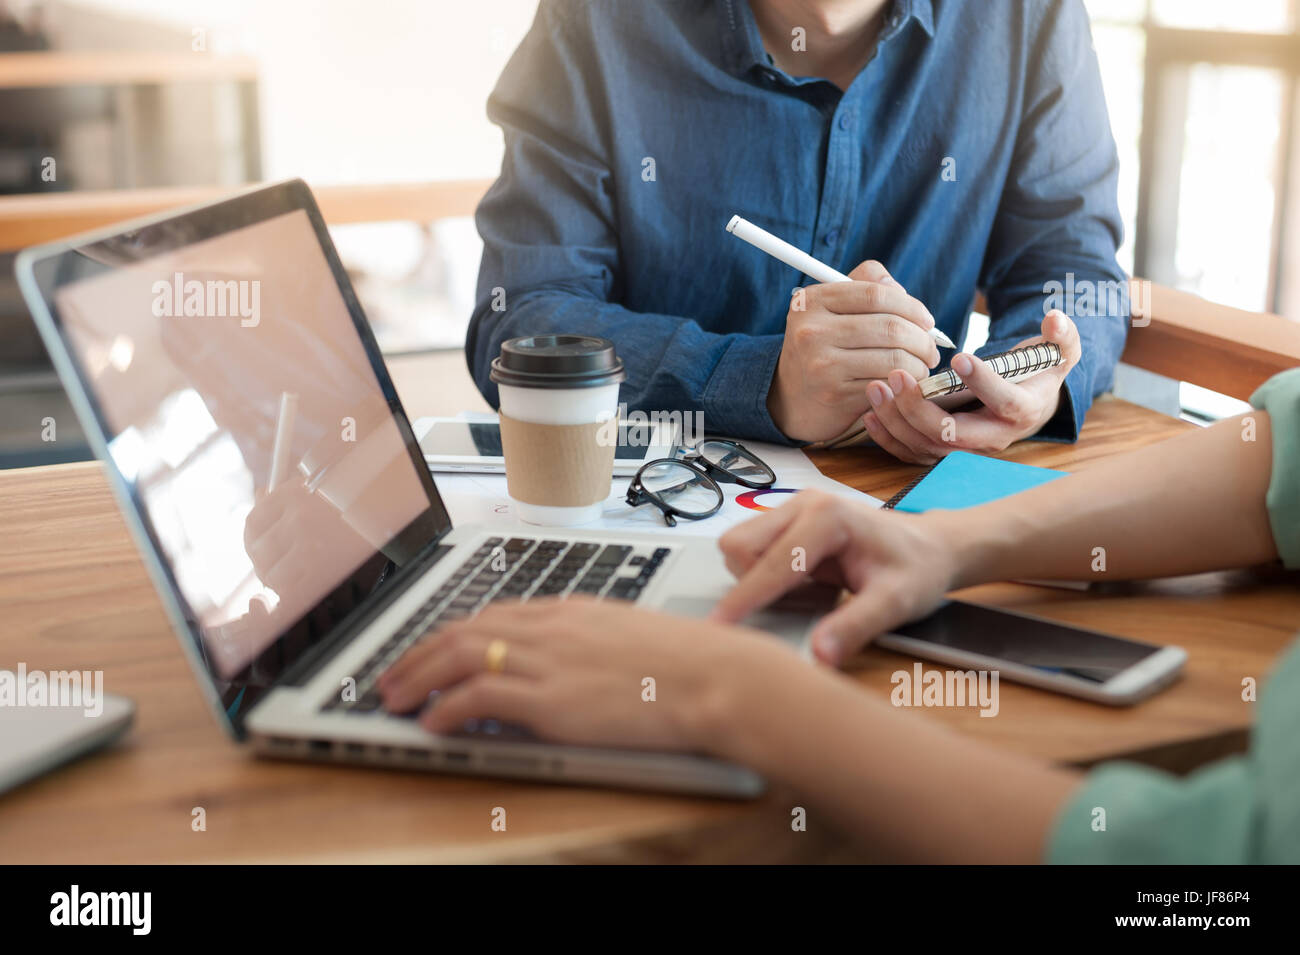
687, 487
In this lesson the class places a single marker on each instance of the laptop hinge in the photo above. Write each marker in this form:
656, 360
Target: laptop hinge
314, 660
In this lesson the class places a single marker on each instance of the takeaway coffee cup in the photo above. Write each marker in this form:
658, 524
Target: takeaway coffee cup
556, 393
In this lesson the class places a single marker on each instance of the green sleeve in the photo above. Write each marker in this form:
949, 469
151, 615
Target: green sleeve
1243, 809
1155, 818
1280, 397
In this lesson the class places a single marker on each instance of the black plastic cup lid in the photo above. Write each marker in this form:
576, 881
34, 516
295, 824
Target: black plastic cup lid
557, 361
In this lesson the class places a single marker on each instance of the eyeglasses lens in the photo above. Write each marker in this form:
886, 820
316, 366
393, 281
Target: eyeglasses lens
725, 455
681, 487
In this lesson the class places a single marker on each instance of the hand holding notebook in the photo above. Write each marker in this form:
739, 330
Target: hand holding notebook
1015, 365
1018, 394
830, 358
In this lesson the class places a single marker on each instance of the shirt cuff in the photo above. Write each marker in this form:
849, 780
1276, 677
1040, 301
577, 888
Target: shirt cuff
1280, 397
1076, 399
735, 397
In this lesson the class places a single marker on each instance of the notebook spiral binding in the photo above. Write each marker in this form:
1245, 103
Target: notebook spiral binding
894, 501
1013, 364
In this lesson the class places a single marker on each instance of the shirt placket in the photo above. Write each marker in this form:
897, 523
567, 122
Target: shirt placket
839, 182
846, 154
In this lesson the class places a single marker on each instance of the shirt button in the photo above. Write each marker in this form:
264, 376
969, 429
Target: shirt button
845, 121
830, 238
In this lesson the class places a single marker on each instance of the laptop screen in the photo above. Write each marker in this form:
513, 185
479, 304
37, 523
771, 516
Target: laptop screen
243, 402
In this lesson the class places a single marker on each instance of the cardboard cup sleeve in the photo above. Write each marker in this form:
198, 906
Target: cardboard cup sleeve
557, 465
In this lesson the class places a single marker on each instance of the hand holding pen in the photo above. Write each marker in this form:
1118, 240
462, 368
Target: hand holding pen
919, 430
854, 352
814, 269
839, 335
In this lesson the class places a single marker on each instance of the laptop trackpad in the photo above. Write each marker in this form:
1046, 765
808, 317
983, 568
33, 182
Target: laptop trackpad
790, 618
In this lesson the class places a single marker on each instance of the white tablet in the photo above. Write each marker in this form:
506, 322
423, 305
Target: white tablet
454, 444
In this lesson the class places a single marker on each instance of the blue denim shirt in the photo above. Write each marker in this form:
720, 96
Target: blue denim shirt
973, 151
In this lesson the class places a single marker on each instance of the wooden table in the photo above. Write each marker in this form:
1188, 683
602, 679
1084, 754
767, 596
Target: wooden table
74, 595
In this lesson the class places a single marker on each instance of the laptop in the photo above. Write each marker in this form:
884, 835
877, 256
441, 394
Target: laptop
226, 376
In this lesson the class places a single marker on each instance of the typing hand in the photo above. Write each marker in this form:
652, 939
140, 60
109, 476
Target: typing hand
838, 336
897, 566
577, 672
921, 432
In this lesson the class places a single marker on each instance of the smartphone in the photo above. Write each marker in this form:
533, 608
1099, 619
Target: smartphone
1043, 653
452, 444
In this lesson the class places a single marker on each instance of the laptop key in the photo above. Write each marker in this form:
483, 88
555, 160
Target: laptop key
367, 703
625, 588
613, 555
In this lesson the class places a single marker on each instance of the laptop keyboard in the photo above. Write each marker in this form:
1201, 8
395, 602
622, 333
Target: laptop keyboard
514, 568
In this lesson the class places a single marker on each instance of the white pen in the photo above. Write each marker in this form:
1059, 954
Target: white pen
283, 439
798, 259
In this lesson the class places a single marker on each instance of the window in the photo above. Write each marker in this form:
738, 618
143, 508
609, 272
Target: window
1202, 101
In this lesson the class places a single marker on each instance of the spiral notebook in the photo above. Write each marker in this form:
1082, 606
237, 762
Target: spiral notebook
965, 480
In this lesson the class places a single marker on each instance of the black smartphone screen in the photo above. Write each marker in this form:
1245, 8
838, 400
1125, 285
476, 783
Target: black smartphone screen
1041, 644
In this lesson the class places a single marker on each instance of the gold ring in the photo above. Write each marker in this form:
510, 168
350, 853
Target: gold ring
496, 656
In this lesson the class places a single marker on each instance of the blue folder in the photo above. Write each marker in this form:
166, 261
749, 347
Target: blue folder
964, 480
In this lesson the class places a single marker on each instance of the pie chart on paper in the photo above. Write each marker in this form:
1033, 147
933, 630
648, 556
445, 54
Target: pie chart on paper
750, 499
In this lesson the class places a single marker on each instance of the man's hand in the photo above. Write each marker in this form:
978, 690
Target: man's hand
919, 431
898, 566
286, 559
838, 337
